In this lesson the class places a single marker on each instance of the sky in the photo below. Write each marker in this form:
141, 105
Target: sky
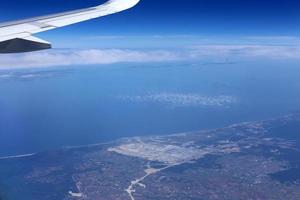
260, 27
172, 17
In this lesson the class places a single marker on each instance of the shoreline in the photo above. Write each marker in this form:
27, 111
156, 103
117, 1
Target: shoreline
149, 136
17, 156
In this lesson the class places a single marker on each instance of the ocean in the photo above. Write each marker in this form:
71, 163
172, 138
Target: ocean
50, 108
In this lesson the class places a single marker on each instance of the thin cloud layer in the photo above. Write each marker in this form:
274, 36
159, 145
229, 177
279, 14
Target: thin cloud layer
83, 57
248, 51
110, 56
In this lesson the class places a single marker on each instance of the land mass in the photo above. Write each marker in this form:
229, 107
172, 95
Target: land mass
254, 160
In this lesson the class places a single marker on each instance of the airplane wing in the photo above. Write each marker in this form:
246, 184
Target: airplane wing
17, 36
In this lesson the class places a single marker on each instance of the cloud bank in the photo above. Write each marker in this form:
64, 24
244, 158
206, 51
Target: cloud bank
83, 57
110, 56
249, 51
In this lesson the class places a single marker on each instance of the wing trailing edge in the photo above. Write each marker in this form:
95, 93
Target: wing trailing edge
20, 45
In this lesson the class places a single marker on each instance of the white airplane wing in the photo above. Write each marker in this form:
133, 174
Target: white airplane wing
16, 37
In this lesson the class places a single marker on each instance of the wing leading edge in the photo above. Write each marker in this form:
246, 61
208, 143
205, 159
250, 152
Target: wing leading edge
16, 37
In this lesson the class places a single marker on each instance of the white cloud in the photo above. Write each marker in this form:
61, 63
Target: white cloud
287, 40
248, 51
148, 37
83, 57
182, 100
110, 56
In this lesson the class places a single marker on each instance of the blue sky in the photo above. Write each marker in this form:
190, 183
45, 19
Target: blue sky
230, 19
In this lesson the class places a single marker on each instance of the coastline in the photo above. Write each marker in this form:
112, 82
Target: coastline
150, 136
17, 156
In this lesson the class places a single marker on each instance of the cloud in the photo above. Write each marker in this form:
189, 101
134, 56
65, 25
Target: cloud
182, 100
266, 51
110, 56
279, 40
148, 37
258, 40
83, 57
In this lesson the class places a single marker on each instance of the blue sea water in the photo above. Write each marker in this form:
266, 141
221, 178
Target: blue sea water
42, 109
